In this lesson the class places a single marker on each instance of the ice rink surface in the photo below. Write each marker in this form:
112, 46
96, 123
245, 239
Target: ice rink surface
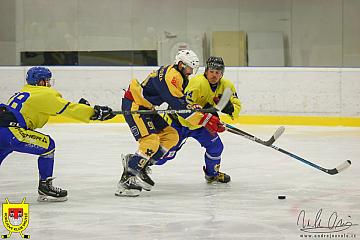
182, 205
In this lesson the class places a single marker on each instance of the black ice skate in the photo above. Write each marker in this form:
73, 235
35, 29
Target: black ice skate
142, 175
220, 177
49, 193
127, 186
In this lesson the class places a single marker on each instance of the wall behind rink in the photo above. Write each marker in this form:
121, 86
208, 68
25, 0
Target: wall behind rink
270, 92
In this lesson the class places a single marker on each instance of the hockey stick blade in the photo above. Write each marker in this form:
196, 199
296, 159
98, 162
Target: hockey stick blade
276, 135
340, 168
267, 143
225, 97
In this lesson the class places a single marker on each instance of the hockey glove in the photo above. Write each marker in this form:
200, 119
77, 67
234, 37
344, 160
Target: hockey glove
212, 123
228, 109
102, 113
84, 101
208, 105
194, 106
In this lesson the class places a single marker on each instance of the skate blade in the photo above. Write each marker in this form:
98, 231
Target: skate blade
43, 198
127, 193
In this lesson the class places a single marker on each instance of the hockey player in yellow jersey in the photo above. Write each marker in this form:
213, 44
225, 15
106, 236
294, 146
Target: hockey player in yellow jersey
206, 90
154, 135
30, 109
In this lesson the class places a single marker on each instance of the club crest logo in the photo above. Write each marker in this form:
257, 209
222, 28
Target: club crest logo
15, 218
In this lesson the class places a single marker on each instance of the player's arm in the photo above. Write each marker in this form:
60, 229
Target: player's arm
79, 111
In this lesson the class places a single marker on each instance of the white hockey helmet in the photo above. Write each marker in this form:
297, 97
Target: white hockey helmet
189, 58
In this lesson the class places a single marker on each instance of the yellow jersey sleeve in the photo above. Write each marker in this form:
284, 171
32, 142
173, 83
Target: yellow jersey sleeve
54, 104
42, 102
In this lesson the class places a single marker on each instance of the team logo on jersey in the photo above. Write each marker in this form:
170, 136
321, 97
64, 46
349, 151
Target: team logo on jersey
15, 217
174, 81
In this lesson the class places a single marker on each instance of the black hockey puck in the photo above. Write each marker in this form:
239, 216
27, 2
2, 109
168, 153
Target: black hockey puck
281, 197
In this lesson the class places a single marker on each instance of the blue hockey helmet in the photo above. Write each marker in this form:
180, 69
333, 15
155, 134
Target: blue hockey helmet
36, 74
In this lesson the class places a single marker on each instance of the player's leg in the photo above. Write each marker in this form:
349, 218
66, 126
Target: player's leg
127, 185
152, 147
168, 139
214, 147
145, 129
168, 136
33, 142
47, 192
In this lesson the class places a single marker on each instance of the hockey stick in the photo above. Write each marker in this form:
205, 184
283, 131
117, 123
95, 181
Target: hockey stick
169, 111
220, 106
267, 143
273, 138
332, 171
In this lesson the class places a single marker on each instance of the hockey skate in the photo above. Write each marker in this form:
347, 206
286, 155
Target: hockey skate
141, 173
219, 178
127, 186
144, 175
49, 193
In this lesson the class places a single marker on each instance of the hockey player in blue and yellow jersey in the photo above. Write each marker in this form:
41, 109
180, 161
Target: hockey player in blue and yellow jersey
205, 90
154, 135
30, 109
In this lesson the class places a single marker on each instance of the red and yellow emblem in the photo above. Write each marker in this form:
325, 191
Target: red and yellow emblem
15, 218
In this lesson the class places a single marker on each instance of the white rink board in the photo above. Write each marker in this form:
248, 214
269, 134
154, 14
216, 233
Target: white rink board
263, 91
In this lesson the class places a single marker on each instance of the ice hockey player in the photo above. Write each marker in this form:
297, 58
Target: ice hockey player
154, 135
205, 90
30, 109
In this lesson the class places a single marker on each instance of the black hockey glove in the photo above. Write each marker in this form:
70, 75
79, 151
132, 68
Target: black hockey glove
84, 101
102, 113
208, 105
228, 109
